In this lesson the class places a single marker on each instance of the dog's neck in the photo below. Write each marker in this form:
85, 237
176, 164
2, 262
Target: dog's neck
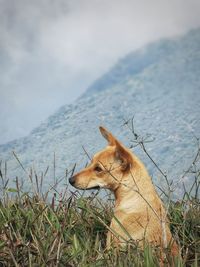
131, 195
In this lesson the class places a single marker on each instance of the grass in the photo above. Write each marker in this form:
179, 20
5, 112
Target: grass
69, 229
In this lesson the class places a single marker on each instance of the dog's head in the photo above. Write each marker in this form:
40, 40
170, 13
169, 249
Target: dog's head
107, 168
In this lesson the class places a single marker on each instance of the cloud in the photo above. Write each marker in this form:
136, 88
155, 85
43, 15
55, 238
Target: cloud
52, 50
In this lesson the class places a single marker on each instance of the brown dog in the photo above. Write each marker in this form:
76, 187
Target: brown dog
139, 213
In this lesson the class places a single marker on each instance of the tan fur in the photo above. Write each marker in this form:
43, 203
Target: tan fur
139, 213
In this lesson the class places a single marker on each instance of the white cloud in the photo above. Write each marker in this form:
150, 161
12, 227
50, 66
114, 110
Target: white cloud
52, 50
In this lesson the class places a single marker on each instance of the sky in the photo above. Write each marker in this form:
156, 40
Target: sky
51, 51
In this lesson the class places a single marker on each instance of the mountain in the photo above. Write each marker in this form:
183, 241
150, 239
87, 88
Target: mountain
159, 85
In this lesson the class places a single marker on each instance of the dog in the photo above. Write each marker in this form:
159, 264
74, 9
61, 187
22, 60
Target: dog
139, 214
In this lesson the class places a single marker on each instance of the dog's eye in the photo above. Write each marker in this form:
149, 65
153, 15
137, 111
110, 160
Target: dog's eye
98, 169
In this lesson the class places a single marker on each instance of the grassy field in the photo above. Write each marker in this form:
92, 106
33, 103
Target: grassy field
70, 230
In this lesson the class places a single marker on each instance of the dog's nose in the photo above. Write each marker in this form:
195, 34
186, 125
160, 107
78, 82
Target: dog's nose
72, 180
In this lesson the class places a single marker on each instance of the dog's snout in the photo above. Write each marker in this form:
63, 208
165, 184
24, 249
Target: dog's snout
72, 180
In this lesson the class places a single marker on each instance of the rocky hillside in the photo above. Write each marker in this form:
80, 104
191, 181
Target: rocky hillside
159, 85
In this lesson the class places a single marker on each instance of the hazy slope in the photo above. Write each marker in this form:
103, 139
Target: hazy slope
159, 84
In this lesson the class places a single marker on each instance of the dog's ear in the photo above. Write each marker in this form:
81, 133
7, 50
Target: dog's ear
123, 155
108, 136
